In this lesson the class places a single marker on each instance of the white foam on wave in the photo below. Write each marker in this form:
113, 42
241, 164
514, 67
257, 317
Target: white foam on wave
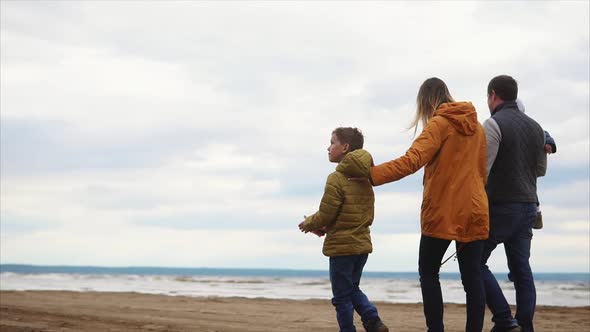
299, 288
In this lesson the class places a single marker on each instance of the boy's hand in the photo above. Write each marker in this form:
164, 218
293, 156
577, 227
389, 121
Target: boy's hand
301, 227
319, 232
548, 149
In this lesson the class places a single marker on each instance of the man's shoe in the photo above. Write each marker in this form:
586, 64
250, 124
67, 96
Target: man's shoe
376, 326
506, 329
380, 327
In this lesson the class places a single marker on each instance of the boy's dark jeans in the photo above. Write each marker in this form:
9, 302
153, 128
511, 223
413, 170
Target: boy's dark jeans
345, 276
469, 255
511, 224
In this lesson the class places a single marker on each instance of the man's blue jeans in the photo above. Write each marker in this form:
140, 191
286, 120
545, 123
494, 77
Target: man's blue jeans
345, 276
469, 256
511, 224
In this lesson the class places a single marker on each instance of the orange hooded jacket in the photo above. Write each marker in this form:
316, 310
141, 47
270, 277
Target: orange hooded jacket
453, 148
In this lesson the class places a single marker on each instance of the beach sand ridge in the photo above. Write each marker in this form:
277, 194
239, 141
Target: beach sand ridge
44, 311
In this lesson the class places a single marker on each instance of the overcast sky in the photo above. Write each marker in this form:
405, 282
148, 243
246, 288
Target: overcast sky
194, 134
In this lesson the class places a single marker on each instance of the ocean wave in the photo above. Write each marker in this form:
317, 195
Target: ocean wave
574, 287
562, 293
218, 281
314, 283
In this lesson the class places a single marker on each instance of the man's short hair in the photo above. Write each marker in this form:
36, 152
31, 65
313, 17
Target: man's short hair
505, 87
351, 136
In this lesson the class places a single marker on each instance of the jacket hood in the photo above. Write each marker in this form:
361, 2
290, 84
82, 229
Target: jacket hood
356, 163
461, 115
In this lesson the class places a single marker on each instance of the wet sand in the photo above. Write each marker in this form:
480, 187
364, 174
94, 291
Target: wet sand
93, 312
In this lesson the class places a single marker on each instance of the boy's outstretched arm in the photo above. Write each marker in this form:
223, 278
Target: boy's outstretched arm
329, 207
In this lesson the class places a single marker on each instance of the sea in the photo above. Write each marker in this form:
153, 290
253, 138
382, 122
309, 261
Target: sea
553, 289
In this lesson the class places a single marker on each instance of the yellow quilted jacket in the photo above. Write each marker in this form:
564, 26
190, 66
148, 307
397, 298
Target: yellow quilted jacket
347, 208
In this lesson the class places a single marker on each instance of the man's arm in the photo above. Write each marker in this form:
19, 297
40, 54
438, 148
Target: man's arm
541, 168
493, 139
542, 165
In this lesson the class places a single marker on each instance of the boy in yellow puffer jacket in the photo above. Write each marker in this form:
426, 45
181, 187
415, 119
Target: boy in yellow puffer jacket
345, 214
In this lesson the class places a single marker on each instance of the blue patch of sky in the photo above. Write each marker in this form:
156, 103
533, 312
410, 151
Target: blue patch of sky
237, 221
559, 175
295, 190
102, 197
305, 188
388, 94
410, 184
18, 224
218, 221
46, 146
396, 225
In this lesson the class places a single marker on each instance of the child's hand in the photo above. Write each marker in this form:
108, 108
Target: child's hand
548, 149
319, 232
301, 227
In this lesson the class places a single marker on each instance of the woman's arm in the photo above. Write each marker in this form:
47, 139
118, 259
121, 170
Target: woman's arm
424, 148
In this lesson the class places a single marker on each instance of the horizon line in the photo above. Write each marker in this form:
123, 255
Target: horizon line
243, 268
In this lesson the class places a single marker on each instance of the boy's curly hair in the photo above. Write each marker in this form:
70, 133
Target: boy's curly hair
351, 136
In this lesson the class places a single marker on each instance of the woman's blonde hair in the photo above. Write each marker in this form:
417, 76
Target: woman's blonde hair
433, 92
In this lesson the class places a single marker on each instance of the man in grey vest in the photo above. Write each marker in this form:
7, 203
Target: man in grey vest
515, 157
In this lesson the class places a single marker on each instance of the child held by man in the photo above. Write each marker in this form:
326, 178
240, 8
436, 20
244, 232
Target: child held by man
346, 211
550, 147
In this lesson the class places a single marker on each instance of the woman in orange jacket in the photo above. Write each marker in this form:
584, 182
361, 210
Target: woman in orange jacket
452, 146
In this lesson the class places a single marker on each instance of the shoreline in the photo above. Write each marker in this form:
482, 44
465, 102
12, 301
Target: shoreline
127, 311
254, 298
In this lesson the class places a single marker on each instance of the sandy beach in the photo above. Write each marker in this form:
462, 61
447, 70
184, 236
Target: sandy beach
97, 311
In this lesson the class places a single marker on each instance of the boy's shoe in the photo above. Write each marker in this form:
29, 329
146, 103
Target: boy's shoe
376, 326
538, 221
506, 329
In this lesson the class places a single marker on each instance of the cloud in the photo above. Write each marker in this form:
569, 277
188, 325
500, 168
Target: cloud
207, 122
151, 245
567, 196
